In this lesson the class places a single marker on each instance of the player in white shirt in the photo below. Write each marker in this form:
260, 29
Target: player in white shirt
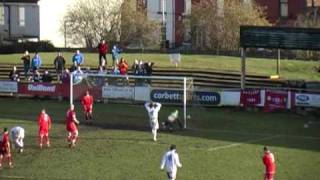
16, 137
153, 109
171, 162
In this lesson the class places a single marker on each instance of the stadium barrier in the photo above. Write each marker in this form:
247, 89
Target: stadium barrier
268, 99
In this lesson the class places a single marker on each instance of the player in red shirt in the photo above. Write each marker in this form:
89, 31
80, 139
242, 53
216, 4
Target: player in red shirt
44, 123
269, 163
5, 151
87, 104
72, 126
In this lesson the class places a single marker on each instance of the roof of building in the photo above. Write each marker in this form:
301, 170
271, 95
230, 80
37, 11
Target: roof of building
19, 1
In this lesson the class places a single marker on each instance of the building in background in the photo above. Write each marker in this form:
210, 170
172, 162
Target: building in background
19, 20
285, 12
176, 24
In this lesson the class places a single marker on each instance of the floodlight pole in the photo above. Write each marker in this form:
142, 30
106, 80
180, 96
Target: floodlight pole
243, 68
278, 63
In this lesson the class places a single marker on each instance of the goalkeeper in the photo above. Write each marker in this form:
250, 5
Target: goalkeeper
173, 119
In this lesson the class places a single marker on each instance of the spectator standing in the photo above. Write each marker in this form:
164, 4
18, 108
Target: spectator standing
26, 63
59, 64
171, 162
36, 62
115, 55
14, 74
78, 58
46, 77
123, 66
103, 50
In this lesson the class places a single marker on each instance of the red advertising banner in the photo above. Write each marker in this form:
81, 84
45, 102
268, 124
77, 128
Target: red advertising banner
250, 97
40, 89
275, 100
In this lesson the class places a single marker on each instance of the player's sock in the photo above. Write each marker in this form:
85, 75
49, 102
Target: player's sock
90, 116
86, 116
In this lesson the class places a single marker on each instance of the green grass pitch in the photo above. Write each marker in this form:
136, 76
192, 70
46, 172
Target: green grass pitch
220, 143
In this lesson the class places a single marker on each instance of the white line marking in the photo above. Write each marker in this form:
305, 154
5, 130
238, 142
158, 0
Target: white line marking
259, 134
239, 144
13, 177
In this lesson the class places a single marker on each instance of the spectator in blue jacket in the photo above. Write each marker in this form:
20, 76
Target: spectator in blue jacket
36, 62
78, 58
115, 55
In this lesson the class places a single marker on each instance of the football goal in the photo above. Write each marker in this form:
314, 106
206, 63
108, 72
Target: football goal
168, 90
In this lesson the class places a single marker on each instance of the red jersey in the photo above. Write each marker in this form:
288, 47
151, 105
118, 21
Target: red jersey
5, 141
269, 163
70, 124
87, 101
103, 48
44, 122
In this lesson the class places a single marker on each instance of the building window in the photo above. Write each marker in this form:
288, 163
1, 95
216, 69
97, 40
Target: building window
284, 8
220, 8
22, 16
161, 7
2, 16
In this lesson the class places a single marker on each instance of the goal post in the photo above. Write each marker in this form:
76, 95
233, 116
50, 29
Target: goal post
168, 90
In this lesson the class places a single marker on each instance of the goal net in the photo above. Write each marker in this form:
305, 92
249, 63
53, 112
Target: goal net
173, 92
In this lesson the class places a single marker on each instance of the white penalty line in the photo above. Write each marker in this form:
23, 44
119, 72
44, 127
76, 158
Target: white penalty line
261, 134
13, 177
239, 144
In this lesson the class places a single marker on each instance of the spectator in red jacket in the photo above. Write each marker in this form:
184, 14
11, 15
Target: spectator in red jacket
103, 50
123, 66
269, 163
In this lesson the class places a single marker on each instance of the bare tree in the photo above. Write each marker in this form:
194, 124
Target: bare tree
137, 28
88, 21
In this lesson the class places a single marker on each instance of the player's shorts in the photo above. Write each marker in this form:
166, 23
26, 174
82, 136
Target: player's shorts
72, 128
172, 174
154, 124
87, 109
4, 151
43, 132
268, 176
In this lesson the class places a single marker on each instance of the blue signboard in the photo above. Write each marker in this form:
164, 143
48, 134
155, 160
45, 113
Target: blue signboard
168, 96
176, 96
208, 98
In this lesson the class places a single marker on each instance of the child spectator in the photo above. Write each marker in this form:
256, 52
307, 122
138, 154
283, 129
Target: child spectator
123, 66
46, 77
65, 78
36, 76
14, 74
